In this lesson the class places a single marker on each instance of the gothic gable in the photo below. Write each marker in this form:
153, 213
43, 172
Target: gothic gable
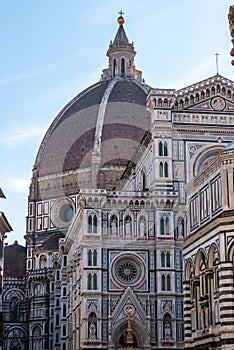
129, 300
212, 94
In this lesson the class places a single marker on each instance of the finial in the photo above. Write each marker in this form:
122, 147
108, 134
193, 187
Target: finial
217, 63
120, 18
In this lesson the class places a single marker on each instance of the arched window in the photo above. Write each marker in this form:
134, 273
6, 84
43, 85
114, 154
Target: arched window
207, 92
163, 282
64, 291
168, 282
166, 169
90, 254
64, 310
162, 229
223, 91
122, 67
160, 148
161, 169
114, 67
92, 281
94, 258
89, 281
202, 94
167, 226
57, 320
95, 224
92, 223
168, 259
163, 259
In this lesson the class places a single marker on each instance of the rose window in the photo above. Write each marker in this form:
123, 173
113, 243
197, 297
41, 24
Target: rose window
128, 269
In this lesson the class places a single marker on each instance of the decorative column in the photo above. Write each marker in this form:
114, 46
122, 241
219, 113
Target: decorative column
187, 312
129, 338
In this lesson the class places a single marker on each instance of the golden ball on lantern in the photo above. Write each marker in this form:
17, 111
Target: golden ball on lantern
120, 20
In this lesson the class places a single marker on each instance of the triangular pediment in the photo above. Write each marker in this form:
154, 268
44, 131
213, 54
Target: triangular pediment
212, 94
129, 300
217, 103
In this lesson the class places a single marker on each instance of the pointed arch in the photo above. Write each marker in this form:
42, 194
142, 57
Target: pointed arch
122, 67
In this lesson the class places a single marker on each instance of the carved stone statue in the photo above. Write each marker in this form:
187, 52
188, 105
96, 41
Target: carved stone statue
167, 329
113, 228
92, 331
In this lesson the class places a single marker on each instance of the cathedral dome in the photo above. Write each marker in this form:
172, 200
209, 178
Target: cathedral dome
101, 128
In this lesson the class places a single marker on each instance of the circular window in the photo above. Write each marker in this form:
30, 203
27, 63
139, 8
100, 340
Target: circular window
128, 269
66, 212
62, 212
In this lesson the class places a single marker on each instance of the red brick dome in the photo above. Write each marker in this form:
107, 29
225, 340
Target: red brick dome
96, 134
107, 122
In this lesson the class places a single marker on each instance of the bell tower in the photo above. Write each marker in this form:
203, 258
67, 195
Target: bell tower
121, 56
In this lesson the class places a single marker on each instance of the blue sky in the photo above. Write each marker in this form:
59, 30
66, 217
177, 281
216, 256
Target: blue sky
51, 50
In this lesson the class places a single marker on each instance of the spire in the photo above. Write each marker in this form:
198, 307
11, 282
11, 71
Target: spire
121, 39
121, 56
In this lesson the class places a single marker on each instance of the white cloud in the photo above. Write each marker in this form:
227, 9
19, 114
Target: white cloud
14, 139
